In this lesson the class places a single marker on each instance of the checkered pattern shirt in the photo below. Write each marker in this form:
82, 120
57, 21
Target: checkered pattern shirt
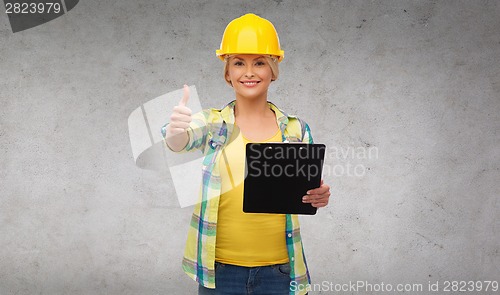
209, 131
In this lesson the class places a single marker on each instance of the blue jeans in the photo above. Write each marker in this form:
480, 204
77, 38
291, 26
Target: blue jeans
240, 280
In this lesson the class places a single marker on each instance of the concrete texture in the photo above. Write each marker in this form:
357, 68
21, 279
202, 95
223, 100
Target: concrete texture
417, 82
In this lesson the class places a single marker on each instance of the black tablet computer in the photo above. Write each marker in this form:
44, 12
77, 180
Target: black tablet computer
278, 175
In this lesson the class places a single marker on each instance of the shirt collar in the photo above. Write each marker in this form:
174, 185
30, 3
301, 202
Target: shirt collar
281, 117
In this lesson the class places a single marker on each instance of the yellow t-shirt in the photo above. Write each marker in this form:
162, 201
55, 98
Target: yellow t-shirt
245, 239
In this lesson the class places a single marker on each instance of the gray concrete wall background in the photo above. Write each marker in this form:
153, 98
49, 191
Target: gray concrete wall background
418, 80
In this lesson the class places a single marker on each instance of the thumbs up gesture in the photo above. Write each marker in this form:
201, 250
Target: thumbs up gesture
176, 135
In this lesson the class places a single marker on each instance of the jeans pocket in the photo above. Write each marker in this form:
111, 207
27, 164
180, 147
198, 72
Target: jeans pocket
284, 268
218, 265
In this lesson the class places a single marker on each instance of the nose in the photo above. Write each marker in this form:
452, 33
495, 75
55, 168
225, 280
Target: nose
249, 71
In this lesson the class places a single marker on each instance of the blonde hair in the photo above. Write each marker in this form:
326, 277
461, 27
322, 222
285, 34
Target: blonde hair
271, 60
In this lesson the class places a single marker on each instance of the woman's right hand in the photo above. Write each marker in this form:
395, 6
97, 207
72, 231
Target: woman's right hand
176, 133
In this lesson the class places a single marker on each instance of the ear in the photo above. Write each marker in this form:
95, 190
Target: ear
273, 77
228, 81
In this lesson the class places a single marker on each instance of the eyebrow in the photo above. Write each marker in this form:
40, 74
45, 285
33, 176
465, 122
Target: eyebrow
260, 57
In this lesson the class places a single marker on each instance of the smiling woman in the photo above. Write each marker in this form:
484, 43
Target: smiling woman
272, 61
229, 251
250, 75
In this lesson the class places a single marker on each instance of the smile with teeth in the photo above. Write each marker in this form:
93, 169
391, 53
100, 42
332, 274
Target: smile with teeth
250, 83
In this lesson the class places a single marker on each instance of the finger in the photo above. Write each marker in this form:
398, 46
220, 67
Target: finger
180, 124
316, 198
182, 110
312, 198
176, 118
319, 199
185, 97
318, 191
175, 131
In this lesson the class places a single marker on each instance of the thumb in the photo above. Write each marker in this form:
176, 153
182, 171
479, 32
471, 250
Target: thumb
185, 96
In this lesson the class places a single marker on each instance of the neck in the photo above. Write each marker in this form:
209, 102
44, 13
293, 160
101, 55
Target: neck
251, 108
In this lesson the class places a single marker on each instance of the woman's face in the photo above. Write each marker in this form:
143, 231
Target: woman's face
250, 75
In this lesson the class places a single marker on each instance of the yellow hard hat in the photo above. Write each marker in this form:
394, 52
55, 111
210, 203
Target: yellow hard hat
250, 34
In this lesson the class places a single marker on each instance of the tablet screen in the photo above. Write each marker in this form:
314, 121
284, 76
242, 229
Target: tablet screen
278, 175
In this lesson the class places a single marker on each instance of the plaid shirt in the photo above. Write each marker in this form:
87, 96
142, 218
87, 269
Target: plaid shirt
208, 132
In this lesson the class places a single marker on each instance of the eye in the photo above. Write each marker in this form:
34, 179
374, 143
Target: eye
260, 63
238, 63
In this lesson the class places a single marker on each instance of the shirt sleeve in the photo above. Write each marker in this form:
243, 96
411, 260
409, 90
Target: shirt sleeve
307, 134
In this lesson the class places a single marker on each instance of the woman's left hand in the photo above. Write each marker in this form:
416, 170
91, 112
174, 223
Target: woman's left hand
318, 197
